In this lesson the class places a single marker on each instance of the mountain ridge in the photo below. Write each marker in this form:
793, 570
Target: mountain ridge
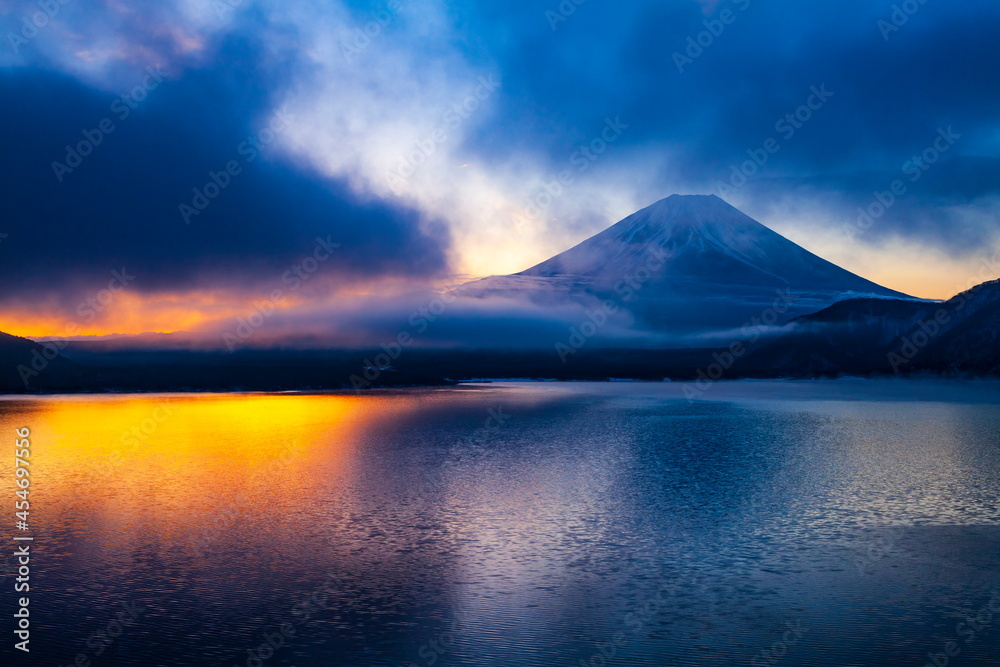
703, 266
866, 336
678, 221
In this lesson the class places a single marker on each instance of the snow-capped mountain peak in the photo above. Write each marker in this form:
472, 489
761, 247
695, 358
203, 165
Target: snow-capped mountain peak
691, 261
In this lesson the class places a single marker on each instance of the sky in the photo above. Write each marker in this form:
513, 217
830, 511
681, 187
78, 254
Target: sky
170, 165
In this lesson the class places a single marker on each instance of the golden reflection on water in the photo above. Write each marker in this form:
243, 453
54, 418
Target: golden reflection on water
187, 467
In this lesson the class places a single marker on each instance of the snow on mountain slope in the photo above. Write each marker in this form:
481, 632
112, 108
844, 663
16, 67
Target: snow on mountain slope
689, 264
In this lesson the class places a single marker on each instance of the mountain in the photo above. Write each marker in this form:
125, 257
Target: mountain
885, 336
961, 335
687, 266
84, 367
851, 337
27, 366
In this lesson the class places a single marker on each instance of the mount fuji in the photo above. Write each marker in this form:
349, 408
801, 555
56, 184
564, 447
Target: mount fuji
690, 267
665, 293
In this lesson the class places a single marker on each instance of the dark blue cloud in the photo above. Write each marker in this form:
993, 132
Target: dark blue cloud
609, 60
890, 95
120, 206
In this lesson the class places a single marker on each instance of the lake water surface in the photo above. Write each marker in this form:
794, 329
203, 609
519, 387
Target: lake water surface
807, 523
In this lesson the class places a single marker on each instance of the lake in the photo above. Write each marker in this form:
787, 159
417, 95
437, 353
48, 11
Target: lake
769, 523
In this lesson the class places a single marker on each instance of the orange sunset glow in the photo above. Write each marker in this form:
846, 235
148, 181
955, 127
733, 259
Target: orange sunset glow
917, 272
131, 313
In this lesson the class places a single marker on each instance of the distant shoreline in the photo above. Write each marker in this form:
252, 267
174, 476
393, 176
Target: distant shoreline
475, 383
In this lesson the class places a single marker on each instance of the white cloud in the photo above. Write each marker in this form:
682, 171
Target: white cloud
391, 115
373, 93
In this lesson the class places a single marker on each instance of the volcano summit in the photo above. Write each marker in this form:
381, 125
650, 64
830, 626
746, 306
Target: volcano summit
687, 265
